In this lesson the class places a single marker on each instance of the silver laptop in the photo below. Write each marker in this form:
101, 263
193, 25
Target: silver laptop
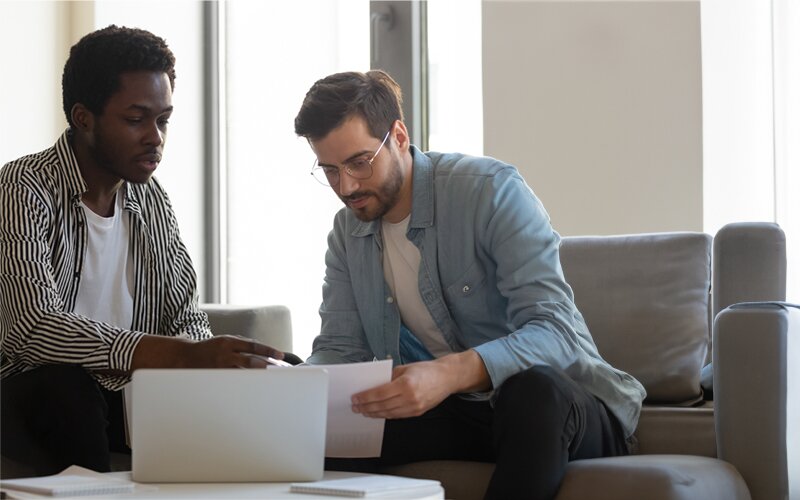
220, 425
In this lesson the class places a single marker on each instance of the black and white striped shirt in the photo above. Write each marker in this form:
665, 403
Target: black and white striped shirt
42, 249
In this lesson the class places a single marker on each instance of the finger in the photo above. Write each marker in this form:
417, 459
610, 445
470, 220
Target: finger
376, 394
254, 347
395, 407
248, 361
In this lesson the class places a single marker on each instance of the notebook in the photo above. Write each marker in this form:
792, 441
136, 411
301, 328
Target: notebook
73, 481
220, 425
369, 485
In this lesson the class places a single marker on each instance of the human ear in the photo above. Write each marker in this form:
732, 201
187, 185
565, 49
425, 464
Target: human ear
401, 134
82, 118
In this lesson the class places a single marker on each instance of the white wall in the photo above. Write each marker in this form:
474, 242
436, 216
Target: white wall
599, 106
31, 93
37, 36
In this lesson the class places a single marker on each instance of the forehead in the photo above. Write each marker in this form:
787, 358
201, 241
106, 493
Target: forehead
149, 89
350, 138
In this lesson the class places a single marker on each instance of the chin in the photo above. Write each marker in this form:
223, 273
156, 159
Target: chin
138, 179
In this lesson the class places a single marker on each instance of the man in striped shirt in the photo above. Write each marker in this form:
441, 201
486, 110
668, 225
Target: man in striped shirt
95, 281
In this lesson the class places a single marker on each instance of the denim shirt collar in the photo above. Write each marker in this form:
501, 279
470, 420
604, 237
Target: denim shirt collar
422, 194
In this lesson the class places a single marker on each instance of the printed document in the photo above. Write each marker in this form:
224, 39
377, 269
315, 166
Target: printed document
349, 434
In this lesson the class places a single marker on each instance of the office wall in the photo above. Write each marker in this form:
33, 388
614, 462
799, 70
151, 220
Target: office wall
36, 37
599, 105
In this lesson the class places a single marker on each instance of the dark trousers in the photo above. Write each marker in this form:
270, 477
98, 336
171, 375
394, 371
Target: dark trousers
540, 421
55, 416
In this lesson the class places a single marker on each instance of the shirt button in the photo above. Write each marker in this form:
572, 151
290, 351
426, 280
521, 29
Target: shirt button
466, 289
389, 300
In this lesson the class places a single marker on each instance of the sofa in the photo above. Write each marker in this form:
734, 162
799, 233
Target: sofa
656, 304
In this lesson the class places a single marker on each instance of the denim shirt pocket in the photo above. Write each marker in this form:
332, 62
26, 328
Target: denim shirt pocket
466, 296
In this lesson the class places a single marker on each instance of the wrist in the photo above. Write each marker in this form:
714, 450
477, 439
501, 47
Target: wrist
155, 351
467, 372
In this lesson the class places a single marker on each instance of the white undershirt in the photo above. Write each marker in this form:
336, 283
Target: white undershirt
401, 260
106, 286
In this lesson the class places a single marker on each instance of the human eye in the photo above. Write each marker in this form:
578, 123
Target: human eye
330, 170
133, 120
359, 164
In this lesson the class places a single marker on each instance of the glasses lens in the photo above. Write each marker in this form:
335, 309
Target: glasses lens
359, 168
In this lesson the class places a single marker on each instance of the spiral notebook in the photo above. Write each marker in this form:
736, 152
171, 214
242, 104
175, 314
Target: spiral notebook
73, 481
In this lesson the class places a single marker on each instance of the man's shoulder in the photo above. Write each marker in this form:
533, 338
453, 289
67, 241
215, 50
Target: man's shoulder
32, 168
459, 164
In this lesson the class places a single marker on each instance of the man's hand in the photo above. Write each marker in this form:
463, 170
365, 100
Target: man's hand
417, 387
224, 351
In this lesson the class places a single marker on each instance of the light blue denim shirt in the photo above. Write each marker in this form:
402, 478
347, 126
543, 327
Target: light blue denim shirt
490, 276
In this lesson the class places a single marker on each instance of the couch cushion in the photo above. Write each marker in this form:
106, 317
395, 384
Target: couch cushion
655, 477
676, 430
645, 298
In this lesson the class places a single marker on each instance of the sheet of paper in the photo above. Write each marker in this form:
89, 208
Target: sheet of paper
352, 435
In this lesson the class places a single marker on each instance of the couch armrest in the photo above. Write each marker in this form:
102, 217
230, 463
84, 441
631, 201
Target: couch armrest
271, 325
756, 348
749, 264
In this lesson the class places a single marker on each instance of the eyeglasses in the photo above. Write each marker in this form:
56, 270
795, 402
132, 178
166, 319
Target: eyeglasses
359, 167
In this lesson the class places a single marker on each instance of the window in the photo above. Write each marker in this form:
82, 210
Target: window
751, 105
278, 216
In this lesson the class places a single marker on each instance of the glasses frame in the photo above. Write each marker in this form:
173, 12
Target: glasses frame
348, 170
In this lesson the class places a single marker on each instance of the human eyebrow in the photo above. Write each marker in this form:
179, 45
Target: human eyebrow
147, 109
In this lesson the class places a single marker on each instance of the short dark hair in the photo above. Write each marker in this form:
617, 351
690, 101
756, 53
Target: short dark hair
373, 95
91, 74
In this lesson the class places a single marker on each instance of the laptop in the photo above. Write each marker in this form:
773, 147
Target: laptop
228, 425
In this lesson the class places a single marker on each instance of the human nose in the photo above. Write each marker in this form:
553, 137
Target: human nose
347, 183
154, 135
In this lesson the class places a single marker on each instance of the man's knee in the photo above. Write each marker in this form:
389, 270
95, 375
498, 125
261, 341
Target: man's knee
55, 392
536, 385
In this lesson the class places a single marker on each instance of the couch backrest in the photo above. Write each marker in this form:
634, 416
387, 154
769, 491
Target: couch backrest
645, 298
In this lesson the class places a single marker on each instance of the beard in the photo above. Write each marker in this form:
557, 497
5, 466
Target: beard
386, 195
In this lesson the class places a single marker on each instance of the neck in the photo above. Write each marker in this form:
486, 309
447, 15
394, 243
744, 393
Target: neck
101, 185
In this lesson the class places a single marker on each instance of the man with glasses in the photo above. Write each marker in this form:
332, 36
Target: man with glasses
448, 264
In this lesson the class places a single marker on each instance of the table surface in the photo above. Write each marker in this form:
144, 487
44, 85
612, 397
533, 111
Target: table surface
241, 490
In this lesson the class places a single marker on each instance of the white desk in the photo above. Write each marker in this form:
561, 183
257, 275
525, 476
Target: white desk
239, 490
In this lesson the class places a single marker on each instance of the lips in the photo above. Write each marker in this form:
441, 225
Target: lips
357, 202
149, 158
149, 161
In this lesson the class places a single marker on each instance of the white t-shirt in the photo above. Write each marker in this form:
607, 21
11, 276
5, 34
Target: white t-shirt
401, 261
106, 286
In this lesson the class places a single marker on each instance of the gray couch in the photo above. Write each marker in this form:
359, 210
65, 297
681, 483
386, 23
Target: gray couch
652, 302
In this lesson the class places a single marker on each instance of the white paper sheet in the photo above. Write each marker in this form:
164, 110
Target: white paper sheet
352, 435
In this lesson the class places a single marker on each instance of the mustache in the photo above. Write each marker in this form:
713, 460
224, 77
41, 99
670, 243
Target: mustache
356, 195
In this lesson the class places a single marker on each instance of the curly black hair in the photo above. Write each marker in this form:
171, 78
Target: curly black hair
91, 74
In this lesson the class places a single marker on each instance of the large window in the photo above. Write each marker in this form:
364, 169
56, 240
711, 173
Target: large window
751, 129
278, 217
